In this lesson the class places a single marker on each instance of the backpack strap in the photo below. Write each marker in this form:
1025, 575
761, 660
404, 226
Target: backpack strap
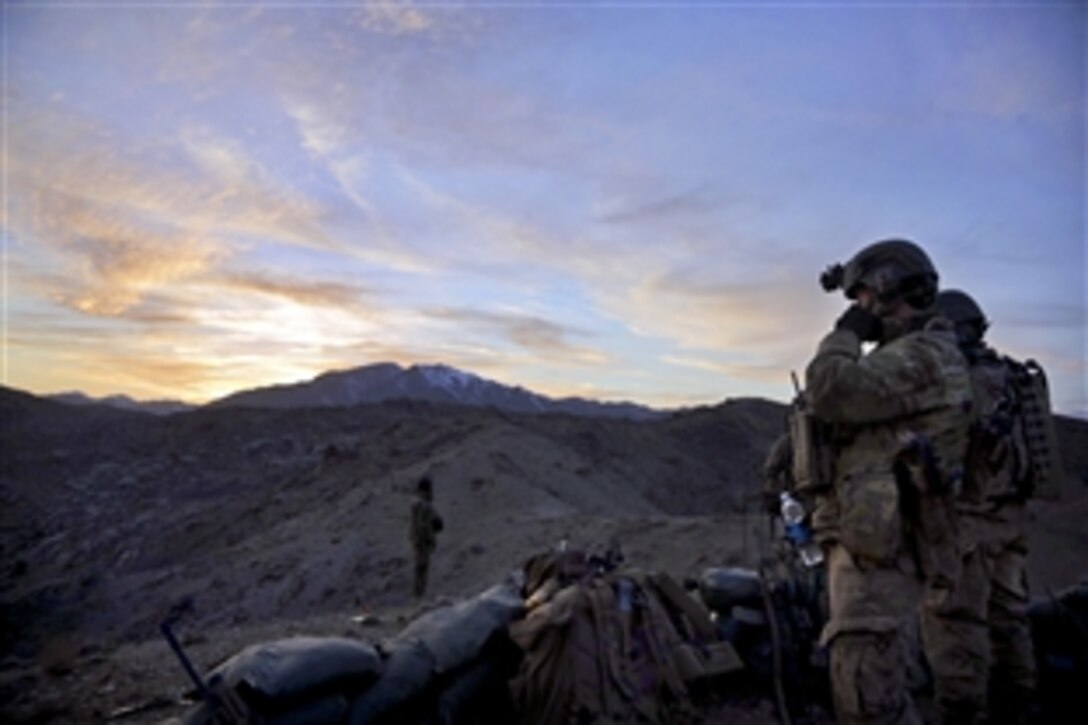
696, 624
665, 647
612, 689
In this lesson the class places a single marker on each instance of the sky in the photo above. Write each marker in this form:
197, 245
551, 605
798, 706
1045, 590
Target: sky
616, 200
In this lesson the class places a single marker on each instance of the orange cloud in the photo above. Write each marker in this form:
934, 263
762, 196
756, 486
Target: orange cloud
313, 294
118, 223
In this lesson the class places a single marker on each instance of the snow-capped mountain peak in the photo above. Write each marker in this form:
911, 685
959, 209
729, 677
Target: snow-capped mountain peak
436, 383
449, 378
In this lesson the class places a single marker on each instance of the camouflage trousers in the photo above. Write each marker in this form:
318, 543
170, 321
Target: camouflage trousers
422, 565
872, 611
978, 641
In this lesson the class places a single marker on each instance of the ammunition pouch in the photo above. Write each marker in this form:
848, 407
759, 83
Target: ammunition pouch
869, 515
812, 453
1043, 477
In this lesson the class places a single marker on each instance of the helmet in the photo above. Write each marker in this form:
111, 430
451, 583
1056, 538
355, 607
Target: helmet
964, 312
893, 269
959, 306
424, 485
889, 268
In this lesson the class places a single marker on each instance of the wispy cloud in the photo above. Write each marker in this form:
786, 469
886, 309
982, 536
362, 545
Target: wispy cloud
612, 201
312, 293
322, 135
680, 206
121, 224
752, 332
543, 338
397, 17
108, 260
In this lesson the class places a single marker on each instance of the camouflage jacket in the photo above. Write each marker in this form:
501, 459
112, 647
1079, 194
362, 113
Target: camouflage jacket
425, 524
778, 467
900, 416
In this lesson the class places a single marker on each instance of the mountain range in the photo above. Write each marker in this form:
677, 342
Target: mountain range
383, 382
262, 522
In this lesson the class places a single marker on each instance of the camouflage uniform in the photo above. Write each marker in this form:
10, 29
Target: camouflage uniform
425, 525
778, 472
983, 633
886, 524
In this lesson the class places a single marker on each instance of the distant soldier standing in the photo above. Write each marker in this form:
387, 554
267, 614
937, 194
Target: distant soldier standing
426, 523
983, 637
895, 423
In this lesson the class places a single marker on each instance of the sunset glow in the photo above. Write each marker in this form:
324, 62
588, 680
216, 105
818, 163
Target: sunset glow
628, 201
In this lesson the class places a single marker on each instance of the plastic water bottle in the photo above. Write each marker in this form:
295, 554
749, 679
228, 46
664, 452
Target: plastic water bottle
625, 595
797, 531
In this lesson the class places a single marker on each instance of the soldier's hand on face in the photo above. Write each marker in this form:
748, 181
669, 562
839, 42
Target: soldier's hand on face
861, 322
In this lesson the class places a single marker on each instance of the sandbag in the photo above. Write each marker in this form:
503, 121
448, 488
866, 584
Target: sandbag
290, 670
435, 644
329, 710
1059, 628
456, 633
409, 668
477, 692
722, 588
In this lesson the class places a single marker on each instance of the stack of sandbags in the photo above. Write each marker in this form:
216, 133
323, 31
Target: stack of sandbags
294, 680
446, 665
1059, 629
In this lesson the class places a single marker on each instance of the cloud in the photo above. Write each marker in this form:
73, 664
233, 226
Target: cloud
330, 137
677, 206
770, 371
120, 223
755, 331
108, 261
538, 336
308, 293
322, 135
394, 17
1031, 67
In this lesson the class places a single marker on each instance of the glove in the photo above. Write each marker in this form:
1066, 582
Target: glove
861, 322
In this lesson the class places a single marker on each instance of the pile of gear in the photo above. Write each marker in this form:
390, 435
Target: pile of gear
579, 638
571, 637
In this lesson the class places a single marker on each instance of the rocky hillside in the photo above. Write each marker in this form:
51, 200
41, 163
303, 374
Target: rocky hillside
272, 521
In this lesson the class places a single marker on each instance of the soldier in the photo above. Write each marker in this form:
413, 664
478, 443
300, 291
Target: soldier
426, 523
987, 614
897, 422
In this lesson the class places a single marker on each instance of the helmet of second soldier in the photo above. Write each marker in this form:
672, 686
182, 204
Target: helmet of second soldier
894, 269
962, 310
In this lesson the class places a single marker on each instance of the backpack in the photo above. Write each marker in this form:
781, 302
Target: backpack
1013, 448
1036, 432
611, 646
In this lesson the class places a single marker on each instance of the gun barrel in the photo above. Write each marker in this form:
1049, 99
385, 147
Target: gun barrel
168, 633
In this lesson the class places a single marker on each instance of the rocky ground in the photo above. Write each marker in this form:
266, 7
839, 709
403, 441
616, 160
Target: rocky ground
295, 522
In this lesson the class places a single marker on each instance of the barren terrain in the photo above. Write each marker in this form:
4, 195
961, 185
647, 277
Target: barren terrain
276, 522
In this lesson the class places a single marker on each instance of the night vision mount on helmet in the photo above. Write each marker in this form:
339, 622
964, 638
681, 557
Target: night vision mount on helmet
893, 269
